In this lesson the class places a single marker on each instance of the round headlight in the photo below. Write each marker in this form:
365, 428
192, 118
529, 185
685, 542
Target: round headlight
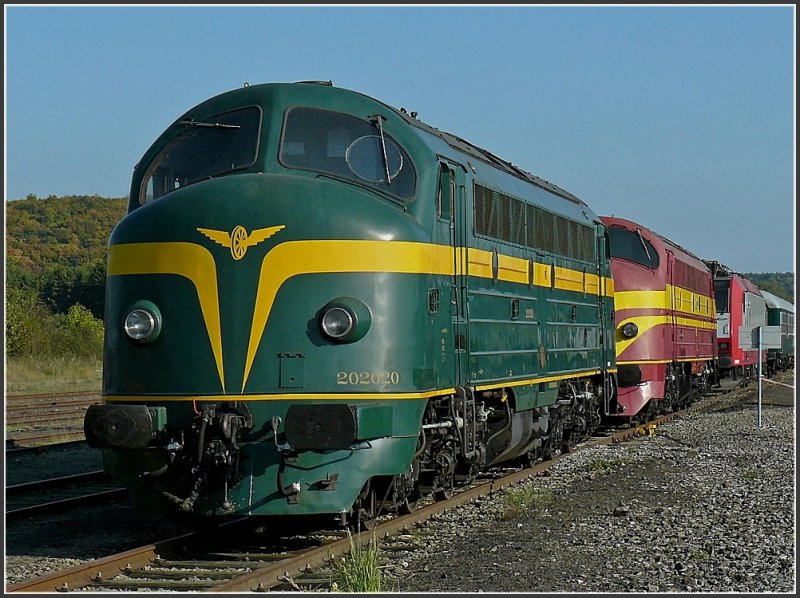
337, 322
143, 322
345, 319
723, 346
630, 330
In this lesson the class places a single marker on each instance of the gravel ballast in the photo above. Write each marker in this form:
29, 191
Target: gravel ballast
707, 504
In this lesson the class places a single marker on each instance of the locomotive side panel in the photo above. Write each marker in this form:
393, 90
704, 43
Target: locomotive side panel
780, 313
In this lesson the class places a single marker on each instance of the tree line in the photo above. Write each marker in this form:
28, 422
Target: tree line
56, 249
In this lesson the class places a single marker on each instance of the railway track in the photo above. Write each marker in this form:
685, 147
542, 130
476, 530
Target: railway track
49, 418
212, 563
55, 494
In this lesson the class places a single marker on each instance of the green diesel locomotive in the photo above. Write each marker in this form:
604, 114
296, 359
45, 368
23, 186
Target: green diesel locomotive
319, 305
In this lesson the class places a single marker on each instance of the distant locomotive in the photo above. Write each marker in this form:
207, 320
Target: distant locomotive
780, 313
317, 304
740, 308
665, 337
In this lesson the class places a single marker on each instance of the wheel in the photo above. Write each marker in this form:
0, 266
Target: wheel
407, 492
446, 489
408, 505
364, 512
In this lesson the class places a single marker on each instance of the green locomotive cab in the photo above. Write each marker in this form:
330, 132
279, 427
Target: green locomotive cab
317, 304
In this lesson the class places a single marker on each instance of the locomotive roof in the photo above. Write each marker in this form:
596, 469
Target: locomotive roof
457, 143
470, 149
776, 302
662, 238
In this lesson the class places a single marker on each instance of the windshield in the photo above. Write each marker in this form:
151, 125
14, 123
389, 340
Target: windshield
218, 145
349, 147
632, 246
721, 294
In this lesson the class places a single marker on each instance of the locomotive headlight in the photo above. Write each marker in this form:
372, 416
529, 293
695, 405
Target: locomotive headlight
337, 322
724, 346
143, 322
345, 319
630, 330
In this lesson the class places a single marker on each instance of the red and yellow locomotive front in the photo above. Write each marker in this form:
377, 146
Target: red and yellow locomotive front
665, 326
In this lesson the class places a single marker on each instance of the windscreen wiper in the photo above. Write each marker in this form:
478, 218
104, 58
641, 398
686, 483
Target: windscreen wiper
194, 123
647, 253
379, 121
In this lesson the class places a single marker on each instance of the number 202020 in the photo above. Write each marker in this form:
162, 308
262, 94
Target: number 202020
368, 378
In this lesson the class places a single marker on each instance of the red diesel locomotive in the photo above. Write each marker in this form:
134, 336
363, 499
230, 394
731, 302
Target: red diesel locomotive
664, 300
740, 305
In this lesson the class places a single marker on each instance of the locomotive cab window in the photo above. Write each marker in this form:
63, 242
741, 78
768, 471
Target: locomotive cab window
218, 145
722, 288
632, 246
349, 147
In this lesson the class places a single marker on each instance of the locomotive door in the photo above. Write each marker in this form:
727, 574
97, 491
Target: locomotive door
453, 190
606, 308
673, 303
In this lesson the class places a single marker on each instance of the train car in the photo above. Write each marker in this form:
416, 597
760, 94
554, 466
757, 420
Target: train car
780, 313
740, 309
319, 305
665, 322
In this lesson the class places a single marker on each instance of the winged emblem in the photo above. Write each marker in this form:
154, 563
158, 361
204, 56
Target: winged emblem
238, 240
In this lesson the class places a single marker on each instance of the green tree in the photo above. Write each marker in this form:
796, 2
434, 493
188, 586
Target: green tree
28, 323
83, 331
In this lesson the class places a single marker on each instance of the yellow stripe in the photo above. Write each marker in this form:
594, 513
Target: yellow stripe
294, 258
515, 269
348, 396
330, 396
671, 298
315, 257
645, 361
191, 261
658, 361
645, 323
538, 380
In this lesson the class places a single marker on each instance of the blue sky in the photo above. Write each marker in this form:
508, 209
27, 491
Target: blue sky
678, 117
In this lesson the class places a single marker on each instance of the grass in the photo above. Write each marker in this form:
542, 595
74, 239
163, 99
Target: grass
33, 375
603, 466
358, 570
522, 500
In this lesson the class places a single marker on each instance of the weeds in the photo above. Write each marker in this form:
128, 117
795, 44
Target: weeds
358, 570
604, 465
527, 498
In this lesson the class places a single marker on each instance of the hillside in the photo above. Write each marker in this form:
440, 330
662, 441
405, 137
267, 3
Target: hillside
70, 231
57, 248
